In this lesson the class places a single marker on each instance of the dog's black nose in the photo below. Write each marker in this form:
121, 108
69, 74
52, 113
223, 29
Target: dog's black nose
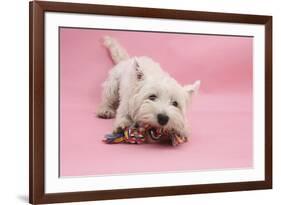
162, 119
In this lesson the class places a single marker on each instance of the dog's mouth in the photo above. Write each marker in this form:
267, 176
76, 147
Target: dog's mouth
162, 135
155, 126
154, 134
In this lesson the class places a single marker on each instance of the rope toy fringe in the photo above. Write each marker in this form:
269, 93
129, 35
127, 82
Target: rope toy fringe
143, 134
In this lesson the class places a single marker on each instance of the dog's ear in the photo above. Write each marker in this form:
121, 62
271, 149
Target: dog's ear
192, 88
139, 73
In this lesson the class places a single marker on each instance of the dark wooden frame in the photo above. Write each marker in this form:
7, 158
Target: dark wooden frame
37, 194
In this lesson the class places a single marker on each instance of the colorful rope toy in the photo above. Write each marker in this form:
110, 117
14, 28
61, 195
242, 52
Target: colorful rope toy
143, 134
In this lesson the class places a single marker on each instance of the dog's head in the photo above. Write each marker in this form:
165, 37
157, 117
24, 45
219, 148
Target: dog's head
162, 102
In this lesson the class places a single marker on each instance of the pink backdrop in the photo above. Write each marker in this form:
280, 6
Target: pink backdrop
221, 115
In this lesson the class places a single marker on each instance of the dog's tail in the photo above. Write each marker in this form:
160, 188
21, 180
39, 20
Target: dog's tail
117, 52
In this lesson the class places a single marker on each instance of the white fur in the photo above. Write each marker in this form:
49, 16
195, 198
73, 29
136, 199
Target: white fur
116, 51
128, 87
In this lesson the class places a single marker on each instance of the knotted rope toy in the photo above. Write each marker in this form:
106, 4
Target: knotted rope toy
136, 134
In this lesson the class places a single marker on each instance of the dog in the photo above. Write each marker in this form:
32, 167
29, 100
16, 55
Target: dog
138, 90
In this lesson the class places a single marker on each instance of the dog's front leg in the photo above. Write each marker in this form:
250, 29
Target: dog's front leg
123, 119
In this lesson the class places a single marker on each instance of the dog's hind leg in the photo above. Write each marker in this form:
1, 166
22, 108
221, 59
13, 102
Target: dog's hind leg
110, 98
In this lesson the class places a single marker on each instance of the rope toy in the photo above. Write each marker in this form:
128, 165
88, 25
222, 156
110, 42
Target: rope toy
143, 134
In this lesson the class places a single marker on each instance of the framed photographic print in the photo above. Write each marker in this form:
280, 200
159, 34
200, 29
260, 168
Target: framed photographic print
138, 102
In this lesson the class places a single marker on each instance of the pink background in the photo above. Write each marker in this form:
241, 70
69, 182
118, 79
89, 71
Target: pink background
221, 114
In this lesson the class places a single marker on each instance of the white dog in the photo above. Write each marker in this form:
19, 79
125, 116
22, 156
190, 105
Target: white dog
137, 90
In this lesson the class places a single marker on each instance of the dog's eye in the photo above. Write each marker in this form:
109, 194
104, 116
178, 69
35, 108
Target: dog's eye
152, 97
175, 103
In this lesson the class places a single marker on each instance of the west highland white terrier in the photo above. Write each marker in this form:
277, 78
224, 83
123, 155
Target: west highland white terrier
137, 90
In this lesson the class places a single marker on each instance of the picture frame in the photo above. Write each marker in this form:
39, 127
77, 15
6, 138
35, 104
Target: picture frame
37, 87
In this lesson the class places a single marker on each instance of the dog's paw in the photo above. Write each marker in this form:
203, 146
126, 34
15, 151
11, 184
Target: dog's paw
185, 133
106, 113
122, 123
